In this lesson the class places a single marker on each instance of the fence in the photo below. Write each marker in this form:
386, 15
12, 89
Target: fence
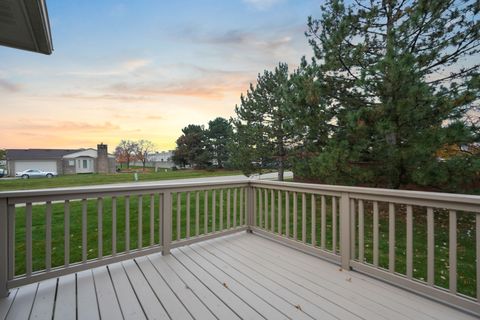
424, 242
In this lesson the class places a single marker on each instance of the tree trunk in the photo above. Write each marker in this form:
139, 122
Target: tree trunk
281, 169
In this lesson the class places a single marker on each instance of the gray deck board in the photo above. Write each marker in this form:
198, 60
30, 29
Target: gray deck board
237, 276
86, 296
409, 305
43, 304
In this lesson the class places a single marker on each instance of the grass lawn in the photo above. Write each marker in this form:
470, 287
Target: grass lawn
95, 179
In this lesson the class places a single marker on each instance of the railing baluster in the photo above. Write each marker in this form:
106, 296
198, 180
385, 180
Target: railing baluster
295, 215
205, 212
391, 237
5, 238
228, 209
100, 226
28, 238
409, 242
12, 240
214, 205
452, 252
345, 213
152, 219
114, 226
279, 209
197, 213
247, 211
430, 247
334, 225
188, 215
66, 232
221, 209
353, 227
48, 236
265, 210
242, 190
272, 211
140, 222
255, 211
324, 223
477, 244
260, 207
375, 233
361, 231
304, 218
160, 214
167, 213
314, 220
84, 230
287, 214
179, 214
234, 207
127, 223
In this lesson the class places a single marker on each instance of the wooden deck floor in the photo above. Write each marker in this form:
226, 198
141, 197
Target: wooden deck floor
242, 276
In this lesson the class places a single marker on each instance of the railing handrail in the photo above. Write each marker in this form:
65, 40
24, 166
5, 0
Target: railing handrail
109, 188
174, 184
381, 192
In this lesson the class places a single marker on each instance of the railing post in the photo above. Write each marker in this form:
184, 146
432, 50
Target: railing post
3, 248
345, 232
166, 222
250, 207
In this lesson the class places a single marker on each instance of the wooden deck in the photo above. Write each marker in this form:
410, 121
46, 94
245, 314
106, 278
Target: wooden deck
242, 276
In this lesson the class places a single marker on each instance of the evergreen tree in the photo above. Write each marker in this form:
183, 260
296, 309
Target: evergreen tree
311, 117
400, 82
263, 120
191, 147
219, 134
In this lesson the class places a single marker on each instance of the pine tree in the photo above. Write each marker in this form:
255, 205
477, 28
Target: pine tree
263, 118
399, 78
191, 147
219, 134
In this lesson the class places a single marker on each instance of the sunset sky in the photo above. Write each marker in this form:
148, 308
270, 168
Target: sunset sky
143, 69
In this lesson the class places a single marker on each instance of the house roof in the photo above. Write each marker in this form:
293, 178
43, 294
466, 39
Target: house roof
92, 153
38, 154
25, 25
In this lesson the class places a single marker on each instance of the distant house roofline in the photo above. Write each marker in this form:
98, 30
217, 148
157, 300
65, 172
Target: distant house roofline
38, 154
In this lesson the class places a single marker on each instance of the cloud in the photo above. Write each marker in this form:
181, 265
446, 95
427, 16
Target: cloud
119, 69
8, 86
262, 4
48, 125
255, 46
135, 64
115, 97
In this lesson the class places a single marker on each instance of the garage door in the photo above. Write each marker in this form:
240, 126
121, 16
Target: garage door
44, 165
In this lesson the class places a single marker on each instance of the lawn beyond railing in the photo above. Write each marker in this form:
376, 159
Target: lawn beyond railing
424, 242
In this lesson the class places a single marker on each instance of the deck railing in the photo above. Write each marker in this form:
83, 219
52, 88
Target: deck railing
425, 242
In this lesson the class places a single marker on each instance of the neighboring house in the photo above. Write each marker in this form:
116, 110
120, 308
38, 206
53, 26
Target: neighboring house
61, 161
163, 156
162, 159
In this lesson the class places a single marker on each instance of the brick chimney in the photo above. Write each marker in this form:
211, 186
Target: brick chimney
102, 158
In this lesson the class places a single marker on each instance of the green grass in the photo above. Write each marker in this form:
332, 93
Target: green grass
95, 179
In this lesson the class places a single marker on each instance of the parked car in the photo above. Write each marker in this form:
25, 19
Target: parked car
33, 173
3, 172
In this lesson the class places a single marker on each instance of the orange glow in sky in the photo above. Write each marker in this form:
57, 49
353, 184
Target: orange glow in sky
173, 64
